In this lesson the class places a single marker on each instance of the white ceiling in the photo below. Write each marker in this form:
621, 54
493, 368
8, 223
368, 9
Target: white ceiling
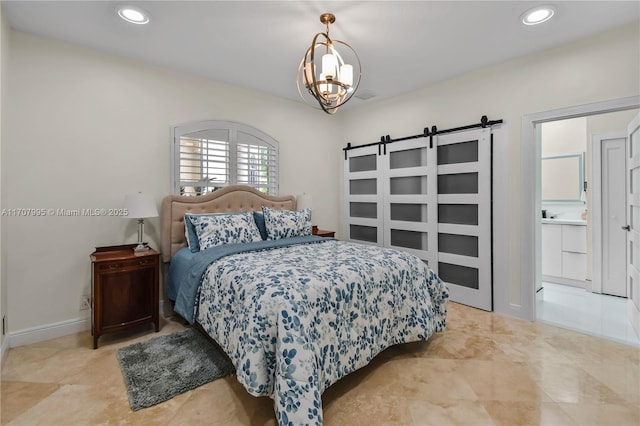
402, 45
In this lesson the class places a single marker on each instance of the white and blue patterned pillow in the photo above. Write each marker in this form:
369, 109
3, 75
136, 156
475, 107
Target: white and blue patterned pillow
226, 228
286, 223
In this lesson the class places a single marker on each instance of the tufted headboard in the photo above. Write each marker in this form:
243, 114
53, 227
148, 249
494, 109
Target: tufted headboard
235, 198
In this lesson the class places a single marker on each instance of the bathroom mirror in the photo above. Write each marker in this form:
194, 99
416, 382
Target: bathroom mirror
563, 177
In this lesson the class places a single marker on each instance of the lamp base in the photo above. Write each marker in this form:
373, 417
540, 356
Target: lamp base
141, 247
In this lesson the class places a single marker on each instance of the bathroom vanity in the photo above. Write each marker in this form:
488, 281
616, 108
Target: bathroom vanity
564, 251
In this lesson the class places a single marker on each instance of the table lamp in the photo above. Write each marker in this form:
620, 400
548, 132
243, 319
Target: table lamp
140, 206
304, 201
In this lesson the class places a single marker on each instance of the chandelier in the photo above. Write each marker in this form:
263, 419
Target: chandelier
331, 84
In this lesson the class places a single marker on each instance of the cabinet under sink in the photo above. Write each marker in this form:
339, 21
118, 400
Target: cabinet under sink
564, 252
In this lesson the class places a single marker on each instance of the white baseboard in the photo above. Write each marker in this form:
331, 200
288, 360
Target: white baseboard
634, 316
512, 310
41, 333
589, 286
3, 350
565, 281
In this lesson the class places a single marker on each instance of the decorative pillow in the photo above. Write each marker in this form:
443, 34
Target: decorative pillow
190, 230
225, 228
286, 223
190, 234
262, 227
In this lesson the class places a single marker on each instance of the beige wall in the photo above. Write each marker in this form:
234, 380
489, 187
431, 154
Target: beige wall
561, 177
594, 69
4, 56
85, 128
564, 136
611, 122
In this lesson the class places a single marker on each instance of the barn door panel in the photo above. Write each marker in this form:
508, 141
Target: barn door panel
464, 216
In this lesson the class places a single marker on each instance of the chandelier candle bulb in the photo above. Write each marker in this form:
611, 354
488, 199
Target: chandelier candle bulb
346, 75
329, 64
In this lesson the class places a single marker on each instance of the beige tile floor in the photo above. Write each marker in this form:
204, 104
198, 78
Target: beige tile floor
485, 369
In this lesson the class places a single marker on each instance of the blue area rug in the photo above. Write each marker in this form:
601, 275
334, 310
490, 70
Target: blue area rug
160, 368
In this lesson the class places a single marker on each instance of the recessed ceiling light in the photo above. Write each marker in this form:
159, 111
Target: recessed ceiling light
135, 15
537, 15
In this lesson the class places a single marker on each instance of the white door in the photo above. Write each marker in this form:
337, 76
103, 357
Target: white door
363, 195
633, 223
464, 216
613, 193
410, 199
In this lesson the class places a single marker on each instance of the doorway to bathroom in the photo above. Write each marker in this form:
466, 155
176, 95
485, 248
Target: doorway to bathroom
582, 251
530, 197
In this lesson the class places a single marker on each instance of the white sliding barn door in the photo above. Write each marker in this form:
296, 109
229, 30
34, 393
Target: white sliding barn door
431, 200
410, 198
363, 195
464, 216
633, 223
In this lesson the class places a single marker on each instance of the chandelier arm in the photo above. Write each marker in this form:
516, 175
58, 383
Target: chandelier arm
301, 73
316, 94
313, 61
314, 83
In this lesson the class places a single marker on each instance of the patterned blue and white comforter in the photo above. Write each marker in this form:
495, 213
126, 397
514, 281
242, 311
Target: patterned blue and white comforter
296, 319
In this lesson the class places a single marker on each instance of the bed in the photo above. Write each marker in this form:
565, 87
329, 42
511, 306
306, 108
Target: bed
294, 312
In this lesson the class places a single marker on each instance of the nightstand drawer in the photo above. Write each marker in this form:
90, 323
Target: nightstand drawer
126, 264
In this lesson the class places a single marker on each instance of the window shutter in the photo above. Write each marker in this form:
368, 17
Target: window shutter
212, 154
256, 163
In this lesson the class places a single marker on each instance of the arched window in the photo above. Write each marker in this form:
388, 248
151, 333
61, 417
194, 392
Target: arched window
208, 155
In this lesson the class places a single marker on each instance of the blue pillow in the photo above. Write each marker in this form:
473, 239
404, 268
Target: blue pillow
192, 237
262, 227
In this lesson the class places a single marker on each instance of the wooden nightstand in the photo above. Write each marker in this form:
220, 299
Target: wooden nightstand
124, 289
321, 233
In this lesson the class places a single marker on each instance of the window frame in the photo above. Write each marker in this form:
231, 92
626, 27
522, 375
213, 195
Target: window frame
232, 127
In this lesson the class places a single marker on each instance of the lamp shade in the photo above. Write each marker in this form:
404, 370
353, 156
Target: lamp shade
304, 201
140, 205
